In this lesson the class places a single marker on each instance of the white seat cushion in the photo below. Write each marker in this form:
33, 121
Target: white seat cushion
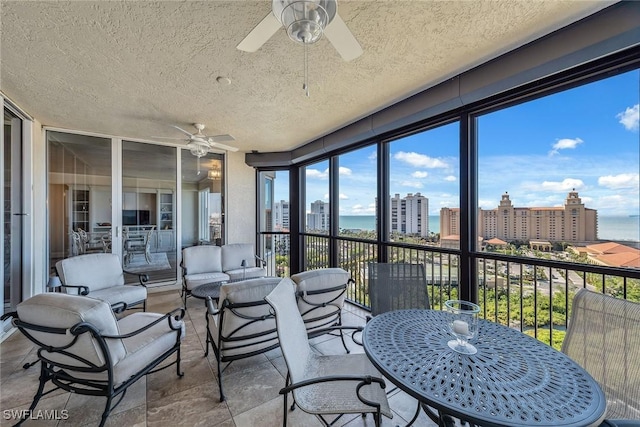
146, 346
127, 293
195, 280
248, 273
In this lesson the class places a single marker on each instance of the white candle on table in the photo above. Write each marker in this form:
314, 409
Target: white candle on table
460, 327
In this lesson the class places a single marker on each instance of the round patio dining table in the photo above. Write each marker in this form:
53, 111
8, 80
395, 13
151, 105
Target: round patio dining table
513, 380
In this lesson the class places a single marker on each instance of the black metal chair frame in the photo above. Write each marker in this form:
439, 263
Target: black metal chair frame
237, 334
61, 375
333, 318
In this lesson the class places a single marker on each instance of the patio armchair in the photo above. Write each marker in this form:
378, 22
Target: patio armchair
320, 294
323, 384
84, 349
603, 336
201, 264
242, 324
240, 262
101, 276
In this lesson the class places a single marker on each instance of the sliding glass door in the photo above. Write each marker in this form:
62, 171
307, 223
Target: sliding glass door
149, 183
111, 196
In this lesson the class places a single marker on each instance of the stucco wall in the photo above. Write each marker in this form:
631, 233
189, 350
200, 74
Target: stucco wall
241, 200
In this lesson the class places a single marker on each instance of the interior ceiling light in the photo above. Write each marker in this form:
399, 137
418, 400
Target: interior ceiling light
214, 173
198, 149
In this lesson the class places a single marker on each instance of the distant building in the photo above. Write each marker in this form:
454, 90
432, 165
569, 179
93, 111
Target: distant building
281, 216
610, 254
281, 223
410, 214
318, 218
572, 222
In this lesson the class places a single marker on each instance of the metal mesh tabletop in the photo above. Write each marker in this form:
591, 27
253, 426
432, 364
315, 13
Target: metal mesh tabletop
513, 380
208, 290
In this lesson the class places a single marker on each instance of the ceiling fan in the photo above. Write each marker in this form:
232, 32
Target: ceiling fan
305, 21
198, 142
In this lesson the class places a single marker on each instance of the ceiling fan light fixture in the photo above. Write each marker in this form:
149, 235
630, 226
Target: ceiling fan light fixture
305, 20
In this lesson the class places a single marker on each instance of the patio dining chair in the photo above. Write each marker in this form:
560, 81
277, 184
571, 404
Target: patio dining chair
397, 286
323, 384
603, 336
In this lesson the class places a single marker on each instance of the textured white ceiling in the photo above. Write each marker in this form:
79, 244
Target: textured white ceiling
133, 68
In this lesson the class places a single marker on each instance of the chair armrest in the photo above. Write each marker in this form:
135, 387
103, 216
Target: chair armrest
143, 278
263, 262
176, 314
82, 290
119, 307
210, 307
362, 381
13, 314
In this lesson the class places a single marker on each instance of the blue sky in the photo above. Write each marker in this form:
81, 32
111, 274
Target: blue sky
586, 138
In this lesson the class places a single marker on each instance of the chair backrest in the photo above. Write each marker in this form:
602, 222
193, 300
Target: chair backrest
96, 271
247, 325
292, 334
63, 311
234, 254
321, 295
202, 259
397, 286
603, 337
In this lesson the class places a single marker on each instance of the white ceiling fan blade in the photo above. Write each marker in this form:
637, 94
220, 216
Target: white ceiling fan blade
182, 130
168, 137
342, 39
222, 146
220, 138
260, 34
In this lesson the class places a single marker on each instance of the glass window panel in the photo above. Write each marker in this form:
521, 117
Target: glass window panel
149, 209
202, 199
424, 181
357, 189
561, 173
79, 195
317, 215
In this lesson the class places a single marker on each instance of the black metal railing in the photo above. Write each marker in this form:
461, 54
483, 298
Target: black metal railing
532, 294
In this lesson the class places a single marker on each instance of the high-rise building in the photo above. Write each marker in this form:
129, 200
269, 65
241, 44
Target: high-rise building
410, 214
281, 216
572, 222
318, 218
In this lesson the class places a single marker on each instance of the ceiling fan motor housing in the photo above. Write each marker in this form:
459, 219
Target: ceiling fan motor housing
305, 20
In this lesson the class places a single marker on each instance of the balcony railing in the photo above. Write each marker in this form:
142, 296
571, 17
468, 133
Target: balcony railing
531, 294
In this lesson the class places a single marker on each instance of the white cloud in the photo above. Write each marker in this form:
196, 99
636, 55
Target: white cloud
359, 209
343, 196
564, 144
420, 174
630, 117
450, 178
326, 196
315, 173
419, 160
412, 184
623, 180
566, 184
344, 171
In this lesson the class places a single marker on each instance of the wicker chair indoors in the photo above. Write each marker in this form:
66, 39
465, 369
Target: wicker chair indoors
83, 349
323, 384
603, 336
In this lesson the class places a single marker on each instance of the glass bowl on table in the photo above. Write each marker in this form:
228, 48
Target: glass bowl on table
463, 324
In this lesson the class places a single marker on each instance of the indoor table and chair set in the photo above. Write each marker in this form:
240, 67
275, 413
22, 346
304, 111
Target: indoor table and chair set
460, 369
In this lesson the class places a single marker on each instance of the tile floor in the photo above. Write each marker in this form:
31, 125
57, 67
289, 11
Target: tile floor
162, 399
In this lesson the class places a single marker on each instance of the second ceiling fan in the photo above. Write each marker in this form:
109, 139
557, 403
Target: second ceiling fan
305, 21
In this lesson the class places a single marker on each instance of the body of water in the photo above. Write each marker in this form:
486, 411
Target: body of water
609, 227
